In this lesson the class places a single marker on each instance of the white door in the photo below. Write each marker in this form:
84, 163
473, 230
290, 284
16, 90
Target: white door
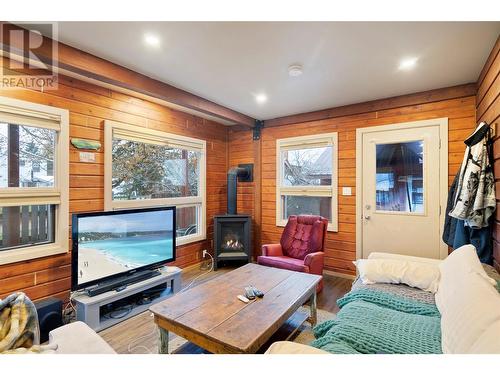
401, 191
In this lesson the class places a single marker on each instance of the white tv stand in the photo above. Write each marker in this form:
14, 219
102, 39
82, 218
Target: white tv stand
88, 309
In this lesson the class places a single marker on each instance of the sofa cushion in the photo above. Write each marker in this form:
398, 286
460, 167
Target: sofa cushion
302, 235
78, 338
283, 262
469, 305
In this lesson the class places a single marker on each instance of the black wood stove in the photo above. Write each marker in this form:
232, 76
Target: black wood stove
232, 232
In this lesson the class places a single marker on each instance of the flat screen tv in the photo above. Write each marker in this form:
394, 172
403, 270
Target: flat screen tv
112, 244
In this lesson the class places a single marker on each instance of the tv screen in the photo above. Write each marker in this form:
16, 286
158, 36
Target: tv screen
117, 243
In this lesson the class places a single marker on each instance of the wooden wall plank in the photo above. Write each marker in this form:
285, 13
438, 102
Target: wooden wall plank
405, 101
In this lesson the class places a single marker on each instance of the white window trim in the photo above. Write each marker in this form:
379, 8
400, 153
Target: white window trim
50, 118
152, 135
312, 191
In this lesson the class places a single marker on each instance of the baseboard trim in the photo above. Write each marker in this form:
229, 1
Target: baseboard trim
338, 274
191, 266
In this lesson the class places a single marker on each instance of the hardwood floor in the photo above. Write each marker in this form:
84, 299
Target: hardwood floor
139, 335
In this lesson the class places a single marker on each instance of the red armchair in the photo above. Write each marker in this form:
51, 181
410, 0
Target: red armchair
300, 248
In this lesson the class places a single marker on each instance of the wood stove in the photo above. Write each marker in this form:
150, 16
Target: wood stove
232, 238
232, 232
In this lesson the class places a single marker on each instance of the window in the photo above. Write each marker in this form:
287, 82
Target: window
400, 172
35, 166
307, 177
147, 168
33, 200
50, 168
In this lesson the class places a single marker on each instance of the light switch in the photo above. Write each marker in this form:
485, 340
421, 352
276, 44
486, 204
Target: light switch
346, 191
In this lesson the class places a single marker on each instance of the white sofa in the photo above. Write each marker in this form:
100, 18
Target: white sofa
288, 347
78, 338
466, 298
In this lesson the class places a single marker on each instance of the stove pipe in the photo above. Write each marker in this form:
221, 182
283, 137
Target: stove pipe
232, 184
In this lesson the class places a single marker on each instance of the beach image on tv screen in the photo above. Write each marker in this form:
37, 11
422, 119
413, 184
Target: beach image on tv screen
111, 244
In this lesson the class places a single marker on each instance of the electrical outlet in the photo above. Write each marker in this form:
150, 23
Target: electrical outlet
204, 254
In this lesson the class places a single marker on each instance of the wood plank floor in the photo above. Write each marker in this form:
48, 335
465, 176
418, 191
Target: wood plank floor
139, 335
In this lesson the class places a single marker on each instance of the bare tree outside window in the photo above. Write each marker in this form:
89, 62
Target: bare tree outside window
147, 171
28, 162
307, 166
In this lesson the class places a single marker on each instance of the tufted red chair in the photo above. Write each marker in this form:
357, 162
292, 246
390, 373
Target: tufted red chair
300, 248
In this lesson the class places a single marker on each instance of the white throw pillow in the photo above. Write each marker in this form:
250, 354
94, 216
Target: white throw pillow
469, 305
420, 275
376, 255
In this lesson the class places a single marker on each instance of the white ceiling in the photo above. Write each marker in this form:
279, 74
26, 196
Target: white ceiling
344, 62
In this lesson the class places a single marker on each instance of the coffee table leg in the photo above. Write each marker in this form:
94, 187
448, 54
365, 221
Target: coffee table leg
163, 341
313, 318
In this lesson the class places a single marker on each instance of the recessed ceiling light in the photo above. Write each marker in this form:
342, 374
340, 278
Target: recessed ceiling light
407, 64
261, 98
295, 70
152, 40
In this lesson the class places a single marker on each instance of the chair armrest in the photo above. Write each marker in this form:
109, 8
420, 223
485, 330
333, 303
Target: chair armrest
315, 262
272, 250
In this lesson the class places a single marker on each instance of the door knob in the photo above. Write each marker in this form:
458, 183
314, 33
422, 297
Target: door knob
367, 217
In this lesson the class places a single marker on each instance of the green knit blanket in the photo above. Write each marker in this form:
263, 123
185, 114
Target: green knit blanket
364, 327
390, 300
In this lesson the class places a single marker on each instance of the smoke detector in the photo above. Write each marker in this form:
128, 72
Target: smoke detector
295, 70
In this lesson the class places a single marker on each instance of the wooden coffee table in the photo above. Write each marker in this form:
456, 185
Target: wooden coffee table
210, 315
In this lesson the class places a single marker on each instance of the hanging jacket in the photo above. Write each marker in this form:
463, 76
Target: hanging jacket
450, 223
475, 201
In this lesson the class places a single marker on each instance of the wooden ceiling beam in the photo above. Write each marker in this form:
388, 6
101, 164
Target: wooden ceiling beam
90, 66
378, 105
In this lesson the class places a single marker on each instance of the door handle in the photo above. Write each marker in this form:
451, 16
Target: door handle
367, 217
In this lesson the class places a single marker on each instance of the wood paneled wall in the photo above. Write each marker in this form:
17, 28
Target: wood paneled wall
488, 109
341, 245
89, 106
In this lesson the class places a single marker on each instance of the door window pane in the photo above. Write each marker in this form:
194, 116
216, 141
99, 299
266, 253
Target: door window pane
187, 220
22, 226
399, 177
305, 205
307, 166
148, 171
26, 156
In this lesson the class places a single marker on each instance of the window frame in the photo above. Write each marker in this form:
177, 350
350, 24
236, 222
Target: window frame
302, 142
58, 119
177, 140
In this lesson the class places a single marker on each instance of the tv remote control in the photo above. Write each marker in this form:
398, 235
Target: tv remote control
257, 292
243, 298
249, 292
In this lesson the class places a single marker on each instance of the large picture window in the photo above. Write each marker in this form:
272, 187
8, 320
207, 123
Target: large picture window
147, 168
307, 177
33, 180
